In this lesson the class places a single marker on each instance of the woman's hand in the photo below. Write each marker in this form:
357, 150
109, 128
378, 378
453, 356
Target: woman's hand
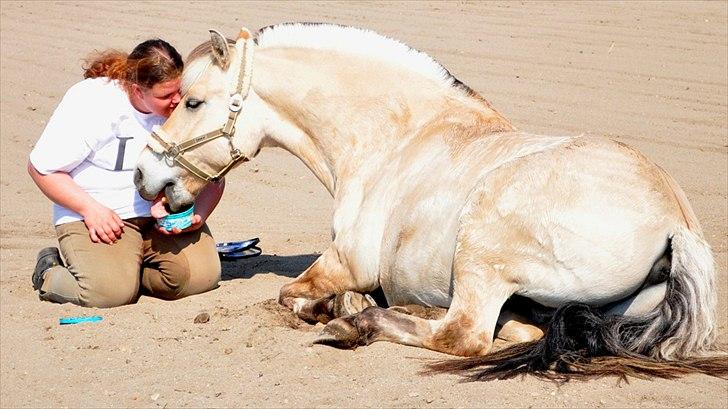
103, 224
206, 202
158, 211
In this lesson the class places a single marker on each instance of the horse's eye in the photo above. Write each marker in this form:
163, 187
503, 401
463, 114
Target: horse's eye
193, 103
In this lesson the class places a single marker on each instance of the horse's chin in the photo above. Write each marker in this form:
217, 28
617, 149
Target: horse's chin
178, 200
147, 195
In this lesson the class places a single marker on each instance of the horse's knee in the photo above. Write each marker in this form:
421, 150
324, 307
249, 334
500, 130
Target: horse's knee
307, 285
325, 277
302, 287
297, 290
460, 336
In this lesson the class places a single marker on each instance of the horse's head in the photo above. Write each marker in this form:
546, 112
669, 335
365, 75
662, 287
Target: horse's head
210, 131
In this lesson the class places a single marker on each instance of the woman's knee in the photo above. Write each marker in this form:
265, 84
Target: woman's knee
167, 281
106, 295
182, 265
206, 275
174, 280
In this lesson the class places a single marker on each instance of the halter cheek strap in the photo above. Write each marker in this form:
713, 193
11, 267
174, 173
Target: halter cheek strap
174, 152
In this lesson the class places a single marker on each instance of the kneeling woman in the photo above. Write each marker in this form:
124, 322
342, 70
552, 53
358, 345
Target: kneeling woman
112, 249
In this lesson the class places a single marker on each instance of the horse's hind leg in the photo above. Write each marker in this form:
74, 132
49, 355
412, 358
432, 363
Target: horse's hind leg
515, 328
641, 303
326, 290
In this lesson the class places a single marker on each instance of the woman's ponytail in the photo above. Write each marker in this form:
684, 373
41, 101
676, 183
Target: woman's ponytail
110, 64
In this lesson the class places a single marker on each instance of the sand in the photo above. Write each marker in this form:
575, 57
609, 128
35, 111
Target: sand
652, 75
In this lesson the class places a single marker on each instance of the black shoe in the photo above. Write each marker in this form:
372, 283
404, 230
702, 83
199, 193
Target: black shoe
47, 258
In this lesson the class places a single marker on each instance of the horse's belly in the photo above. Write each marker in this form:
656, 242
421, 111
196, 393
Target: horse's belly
429, 290
419, 271
554, 288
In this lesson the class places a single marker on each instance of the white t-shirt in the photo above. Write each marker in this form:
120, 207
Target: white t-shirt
96, 136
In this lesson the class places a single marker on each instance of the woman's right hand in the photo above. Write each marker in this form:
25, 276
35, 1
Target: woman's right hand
103, 224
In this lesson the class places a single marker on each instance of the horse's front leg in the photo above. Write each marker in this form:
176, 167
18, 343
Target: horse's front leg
480, 290
327, 290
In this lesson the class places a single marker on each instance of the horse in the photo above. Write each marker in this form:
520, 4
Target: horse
440, 201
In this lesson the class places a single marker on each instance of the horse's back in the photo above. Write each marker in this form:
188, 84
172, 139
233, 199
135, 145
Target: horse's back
583, 221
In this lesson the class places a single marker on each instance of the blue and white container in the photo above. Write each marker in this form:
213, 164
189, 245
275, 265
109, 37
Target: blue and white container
180, 220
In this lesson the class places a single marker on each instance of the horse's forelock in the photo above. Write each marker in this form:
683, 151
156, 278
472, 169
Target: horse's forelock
192, 72
197, 61
204, 49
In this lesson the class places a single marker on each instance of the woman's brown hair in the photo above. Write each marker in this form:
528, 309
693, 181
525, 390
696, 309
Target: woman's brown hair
151, 62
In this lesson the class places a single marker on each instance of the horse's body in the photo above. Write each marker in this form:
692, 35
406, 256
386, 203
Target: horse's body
398, 227
440, 201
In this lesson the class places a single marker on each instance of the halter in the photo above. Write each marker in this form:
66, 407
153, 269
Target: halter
173, 151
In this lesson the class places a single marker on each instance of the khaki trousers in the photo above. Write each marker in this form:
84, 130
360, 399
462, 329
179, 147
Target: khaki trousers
142, 261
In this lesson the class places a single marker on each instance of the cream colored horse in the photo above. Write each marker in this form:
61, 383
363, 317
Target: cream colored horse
440, 201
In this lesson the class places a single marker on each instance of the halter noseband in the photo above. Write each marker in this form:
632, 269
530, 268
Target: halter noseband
173, 151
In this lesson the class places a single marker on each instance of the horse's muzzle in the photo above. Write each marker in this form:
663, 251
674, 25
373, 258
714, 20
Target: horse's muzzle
139, 183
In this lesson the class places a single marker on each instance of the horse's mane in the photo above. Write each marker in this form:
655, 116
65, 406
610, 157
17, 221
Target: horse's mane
324, 36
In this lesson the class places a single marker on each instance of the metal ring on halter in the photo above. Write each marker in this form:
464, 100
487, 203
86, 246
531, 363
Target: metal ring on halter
236, 102
173, 150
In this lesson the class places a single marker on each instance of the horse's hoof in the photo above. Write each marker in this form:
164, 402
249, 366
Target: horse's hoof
339, 333
350, 303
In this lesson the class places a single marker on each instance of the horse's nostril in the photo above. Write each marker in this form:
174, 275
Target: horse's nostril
137, 178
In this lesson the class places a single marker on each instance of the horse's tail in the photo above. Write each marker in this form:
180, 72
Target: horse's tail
674, 339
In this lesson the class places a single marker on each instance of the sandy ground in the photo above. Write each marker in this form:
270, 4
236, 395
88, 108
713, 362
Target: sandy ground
650, 74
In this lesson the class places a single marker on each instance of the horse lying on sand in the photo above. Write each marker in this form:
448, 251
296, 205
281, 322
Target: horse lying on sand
440, 201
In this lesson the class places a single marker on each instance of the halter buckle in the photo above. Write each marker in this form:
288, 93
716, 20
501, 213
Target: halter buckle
173, 151
229, 129
236, 102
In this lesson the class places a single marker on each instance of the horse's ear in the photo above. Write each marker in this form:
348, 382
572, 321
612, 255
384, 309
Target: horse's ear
244, 34
219, 49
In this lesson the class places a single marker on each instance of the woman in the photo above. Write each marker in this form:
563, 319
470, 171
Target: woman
84, 162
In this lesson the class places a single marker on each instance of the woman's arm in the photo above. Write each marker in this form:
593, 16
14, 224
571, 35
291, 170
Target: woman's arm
208, 199
103, 223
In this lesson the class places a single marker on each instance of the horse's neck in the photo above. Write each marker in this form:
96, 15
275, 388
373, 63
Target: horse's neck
346, 114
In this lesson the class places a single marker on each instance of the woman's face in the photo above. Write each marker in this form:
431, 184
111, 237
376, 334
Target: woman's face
161, 99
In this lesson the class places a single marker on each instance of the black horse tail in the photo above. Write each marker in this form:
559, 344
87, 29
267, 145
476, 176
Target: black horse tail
674, 339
